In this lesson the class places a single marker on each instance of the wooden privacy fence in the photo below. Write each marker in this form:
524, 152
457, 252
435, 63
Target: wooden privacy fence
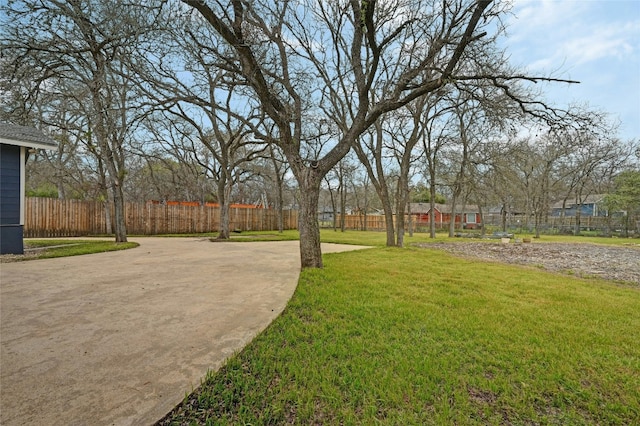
369, 222
51, 217
374, 222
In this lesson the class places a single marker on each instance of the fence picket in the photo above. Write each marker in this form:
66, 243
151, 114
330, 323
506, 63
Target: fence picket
51, 217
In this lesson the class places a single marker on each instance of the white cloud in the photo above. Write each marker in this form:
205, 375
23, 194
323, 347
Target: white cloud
607, 41
533, 19
594, 41
548, 32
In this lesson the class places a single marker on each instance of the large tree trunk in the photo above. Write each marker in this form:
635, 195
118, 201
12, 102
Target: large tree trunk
607, 227
279, 204
107, 216
400, 228
334, 209
403, 198
385, 199
410, 219
383, 193
403, 188
388, 220
366, 206
537, 224
343, 199
115, 178
452, 220
224, 199
280, 210
115, 181
120, 225
578, 213
279, 191
503, 215
379, 183
114, 167
560, 226
223, 233
388, 214
62, 193
310, 251
432, 206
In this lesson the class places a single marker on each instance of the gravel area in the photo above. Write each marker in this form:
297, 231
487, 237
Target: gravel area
619, 263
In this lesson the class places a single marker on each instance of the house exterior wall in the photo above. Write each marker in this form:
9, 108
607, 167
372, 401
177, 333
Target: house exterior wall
446, 217
12, 160
585, 210
424, 217
419, 218
471, 220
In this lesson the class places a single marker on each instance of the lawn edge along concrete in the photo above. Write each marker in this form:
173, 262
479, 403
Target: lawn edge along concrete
118, 338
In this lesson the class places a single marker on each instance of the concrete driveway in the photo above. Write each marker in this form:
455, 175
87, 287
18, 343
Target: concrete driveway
119, 338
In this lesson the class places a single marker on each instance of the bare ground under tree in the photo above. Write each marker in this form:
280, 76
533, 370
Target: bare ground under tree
618, 263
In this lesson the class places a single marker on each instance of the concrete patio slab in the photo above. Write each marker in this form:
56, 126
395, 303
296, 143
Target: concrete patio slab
119, 338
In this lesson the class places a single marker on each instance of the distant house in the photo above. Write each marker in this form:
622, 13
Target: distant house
15, 144
325, 214
590, 207
469, 218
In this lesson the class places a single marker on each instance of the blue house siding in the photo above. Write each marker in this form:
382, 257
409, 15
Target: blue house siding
12, 239
14, 141
591, 207
11, 230
570, 211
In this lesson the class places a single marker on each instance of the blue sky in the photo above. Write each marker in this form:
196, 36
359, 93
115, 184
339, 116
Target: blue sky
596, 42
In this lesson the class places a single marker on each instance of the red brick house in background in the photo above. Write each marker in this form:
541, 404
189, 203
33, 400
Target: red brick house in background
469, 218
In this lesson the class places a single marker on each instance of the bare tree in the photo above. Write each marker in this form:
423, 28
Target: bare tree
625, 197
404, 139
187, 82
360, 188
591, 156
306, 60
280, 169
389, 147
470, 126
436, 135
270, 183
370, 153
87, 45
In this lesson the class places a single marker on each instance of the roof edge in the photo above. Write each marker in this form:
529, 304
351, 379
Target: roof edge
28, 144
25, 136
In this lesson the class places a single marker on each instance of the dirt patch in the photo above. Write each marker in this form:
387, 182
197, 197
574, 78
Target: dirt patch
618, 263
480, 396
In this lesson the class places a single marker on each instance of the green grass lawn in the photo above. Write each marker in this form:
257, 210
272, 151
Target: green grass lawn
418, 336
50, 248
378, 239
